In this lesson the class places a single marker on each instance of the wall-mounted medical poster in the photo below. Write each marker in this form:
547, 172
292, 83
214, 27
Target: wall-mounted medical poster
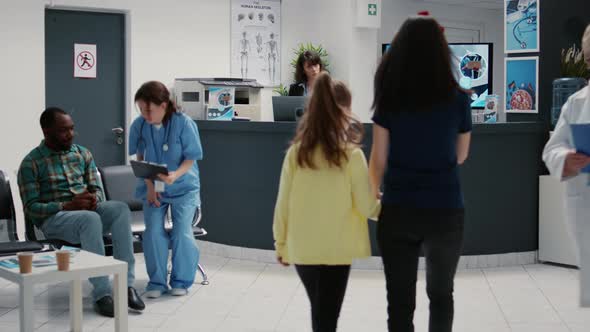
521, 85
521, 26
256, 40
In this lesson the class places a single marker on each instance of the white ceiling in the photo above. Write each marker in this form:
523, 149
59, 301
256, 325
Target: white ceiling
487, 4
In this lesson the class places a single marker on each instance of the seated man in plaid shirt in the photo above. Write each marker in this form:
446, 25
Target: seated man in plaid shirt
63, 197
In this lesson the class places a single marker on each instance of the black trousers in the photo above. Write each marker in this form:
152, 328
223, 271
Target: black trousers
401, 234
325, 286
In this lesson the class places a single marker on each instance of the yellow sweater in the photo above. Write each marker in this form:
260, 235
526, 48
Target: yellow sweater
321, 215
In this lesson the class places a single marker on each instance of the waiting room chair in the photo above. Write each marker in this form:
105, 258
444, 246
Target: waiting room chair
199, 232
9, 242
119, 184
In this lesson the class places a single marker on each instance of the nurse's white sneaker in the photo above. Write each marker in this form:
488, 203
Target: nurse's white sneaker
178, 291
153, 294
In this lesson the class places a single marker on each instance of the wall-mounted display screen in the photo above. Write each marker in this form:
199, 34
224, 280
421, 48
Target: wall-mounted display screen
473, 66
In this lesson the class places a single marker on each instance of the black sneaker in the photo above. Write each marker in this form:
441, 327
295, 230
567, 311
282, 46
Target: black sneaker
105, 306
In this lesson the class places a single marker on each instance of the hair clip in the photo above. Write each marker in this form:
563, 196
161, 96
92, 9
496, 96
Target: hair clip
427, 13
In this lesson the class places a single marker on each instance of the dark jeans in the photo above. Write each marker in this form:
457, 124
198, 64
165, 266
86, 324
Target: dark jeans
401, 233
325, 286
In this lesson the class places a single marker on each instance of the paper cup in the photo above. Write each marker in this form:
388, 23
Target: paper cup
25, 262
63, 260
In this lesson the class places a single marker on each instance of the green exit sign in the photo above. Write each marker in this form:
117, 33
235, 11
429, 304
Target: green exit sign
372, 9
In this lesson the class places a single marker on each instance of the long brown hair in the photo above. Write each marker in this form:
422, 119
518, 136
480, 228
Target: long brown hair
327, 124
415, 73
157, 93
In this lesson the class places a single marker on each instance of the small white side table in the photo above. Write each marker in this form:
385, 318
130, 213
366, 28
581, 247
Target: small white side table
84, 265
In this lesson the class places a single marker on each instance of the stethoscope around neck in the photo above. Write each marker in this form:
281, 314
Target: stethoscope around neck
165, 146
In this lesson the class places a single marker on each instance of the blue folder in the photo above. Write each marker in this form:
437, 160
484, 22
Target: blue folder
581, 137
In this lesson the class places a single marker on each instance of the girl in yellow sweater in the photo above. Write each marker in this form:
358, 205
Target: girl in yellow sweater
324, 200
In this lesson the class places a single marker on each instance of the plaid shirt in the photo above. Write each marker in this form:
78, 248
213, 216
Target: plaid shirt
48, 177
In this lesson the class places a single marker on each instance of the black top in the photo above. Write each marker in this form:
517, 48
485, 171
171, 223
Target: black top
297, 89
422, 170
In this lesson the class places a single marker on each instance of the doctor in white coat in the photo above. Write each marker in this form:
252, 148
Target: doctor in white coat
565, 163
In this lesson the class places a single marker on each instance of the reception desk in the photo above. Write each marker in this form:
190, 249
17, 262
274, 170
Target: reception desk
242, 163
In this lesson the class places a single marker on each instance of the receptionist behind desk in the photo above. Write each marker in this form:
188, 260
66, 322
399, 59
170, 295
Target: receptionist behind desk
309, 65
165, 136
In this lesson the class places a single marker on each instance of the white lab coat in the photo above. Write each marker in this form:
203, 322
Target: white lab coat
577, 200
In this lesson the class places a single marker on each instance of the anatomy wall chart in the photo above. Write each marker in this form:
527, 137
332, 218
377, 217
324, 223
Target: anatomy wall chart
255, 40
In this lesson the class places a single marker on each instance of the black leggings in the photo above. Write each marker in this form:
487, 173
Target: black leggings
325, 286
401, 233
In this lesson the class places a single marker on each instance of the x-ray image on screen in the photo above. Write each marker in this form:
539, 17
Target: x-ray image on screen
472, 64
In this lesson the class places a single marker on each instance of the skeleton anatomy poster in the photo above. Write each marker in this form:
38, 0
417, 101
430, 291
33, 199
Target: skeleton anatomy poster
255, 40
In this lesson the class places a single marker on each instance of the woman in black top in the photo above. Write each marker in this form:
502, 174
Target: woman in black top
309, 65
420, 137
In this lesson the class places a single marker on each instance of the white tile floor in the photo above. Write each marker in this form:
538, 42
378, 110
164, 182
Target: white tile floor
254, 296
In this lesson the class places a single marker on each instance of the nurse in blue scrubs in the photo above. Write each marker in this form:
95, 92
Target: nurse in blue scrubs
164, 135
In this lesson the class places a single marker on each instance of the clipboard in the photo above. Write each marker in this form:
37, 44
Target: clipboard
147, 170
581, 138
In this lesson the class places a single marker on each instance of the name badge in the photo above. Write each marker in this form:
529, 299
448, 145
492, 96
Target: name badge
159, 186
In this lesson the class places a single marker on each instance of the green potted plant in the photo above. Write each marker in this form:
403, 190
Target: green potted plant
573, 64
281, 90
574, 74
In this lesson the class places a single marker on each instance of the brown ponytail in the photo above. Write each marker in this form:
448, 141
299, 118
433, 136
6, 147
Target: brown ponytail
327, 124
157, 93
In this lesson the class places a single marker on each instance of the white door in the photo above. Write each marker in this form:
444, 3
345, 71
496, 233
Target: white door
462, 35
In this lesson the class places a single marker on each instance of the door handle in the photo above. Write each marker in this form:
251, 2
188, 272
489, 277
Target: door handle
118, 131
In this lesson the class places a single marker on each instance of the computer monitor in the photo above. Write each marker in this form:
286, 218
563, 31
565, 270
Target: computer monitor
287, 108
473, 67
